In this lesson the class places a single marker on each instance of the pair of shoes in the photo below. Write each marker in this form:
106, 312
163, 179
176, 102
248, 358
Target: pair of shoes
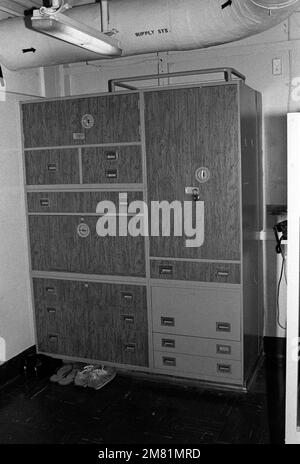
66, 374
94, 376
68, 379
61, 373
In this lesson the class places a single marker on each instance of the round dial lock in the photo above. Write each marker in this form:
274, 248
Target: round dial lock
83, 230
202, 175
87, 121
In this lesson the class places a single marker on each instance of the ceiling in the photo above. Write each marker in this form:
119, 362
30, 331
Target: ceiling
16, 7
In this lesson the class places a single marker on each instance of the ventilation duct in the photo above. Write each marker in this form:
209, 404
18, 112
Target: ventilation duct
144, 26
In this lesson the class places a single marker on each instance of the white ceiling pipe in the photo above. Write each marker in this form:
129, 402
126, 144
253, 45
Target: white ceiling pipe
146, 26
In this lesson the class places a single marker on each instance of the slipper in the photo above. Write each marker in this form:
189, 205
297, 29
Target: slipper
69, 378
61, 373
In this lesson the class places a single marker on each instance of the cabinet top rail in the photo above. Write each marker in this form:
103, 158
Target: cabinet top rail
121, 82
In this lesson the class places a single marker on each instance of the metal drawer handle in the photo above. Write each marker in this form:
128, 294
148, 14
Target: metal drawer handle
130, 348
44, 202
52, 167
167, 321
221, 273
50, 290
111, 155
111, 173
128, 318
51, 310
128, 297
167, 343
224, 368
53, 338
165, 270
224, 349
223, 327
169, 361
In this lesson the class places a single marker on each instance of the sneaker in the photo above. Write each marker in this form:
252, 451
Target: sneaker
98, 378
61, 373
82, 376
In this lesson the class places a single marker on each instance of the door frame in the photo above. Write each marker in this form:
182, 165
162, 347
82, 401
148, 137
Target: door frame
292, 393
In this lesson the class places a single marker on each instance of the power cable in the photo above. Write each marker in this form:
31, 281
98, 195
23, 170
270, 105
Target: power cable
282, 272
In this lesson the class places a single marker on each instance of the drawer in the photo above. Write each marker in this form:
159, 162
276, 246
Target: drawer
50, 167
174, 344
181, 364
118, 349
112, 165
107, 345
200, 272
198, 312
75, 202
52, 294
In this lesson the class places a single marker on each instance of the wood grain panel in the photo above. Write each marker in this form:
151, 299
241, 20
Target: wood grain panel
52, 167
56, 246
200, 272
71, 336
187, 129
124, 339
117, 118
53, 123
97, 167
73, 202
88, 323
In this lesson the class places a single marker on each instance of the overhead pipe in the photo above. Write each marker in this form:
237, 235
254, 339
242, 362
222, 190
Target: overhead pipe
145, 26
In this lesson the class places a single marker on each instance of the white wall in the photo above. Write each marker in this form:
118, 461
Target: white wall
16, 319
253, 57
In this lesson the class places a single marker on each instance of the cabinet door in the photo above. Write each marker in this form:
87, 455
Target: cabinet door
109, 119
186, 130
71, 244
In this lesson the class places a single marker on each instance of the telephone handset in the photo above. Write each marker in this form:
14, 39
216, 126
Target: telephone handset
280, 228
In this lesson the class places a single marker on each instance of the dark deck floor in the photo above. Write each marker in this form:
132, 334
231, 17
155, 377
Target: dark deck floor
137, 411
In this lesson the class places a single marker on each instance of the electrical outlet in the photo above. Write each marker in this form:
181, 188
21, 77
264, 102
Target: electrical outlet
277, 67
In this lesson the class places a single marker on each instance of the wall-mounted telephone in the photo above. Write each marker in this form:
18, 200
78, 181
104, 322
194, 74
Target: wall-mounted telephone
280, 228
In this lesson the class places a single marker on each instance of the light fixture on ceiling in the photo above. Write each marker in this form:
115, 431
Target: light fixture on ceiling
53, 22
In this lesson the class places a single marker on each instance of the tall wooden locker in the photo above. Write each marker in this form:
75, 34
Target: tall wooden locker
208, 306
144, 302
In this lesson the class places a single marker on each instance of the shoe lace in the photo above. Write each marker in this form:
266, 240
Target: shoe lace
87, 369
100, 371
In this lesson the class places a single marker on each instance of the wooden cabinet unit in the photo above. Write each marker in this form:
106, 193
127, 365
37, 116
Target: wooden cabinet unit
151, 302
